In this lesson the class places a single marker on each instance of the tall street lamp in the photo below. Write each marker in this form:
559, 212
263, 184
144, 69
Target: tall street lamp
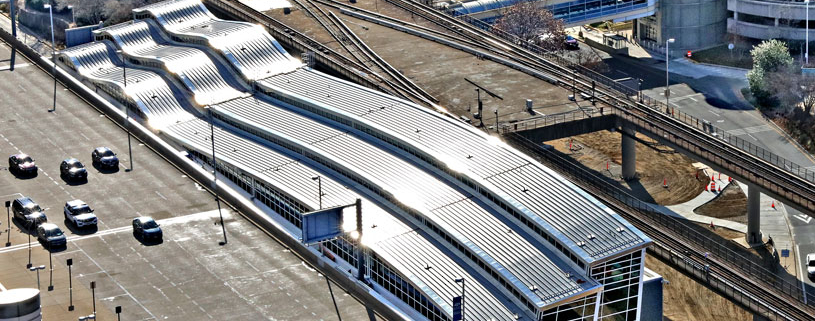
461, 280
215, 173
319, 189
667, 83
127, 112
53, 55
37, 269
806, 53
8, 220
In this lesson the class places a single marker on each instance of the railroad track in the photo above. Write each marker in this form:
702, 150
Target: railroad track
791, 186
671, 245
365, 55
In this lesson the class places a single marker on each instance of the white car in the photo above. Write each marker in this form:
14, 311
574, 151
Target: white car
811, 265
79, 213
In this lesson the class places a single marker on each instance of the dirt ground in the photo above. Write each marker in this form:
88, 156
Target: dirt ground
655, 164
686, 300
730, 204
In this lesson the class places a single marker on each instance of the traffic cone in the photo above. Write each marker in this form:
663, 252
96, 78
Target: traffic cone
713, 186
720, 188
729, 179
665, 182
570, 144
606, 165
712, 178
773, 205
720, 176
706, 186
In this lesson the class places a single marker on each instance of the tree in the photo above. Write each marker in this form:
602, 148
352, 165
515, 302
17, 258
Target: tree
533, 25
111, 11
792, 89
769, 57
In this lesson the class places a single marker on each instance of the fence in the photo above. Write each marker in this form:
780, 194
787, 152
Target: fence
718, 251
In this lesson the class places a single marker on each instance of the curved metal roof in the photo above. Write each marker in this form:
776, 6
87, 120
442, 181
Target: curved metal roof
295, 179
556, 205
386, 236
99, 63
521, 263
251, 49
195, 69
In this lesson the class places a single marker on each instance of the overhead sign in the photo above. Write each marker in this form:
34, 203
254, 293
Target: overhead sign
322, 225
457, 308
785, 253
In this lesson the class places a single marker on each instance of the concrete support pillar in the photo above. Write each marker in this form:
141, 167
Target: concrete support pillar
753, 215
629, 152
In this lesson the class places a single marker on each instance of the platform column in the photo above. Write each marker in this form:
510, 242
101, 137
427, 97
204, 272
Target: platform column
753, 215
629, 152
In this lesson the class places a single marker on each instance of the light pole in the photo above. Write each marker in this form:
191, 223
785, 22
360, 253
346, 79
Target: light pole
8, 220
51, 271
319, 189
806, 53
37, 269
461, 280
119, 312
53, 55
215, 173
127, 112
73, 17
667, 84
27, 231
70, 286
93, 297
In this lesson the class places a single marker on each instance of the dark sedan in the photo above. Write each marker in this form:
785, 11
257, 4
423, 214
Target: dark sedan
71, 168
146, 228
105, 158
22, 164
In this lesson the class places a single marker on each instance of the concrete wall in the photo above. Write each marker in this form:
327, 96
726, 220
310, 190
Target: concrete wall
569, 129
775, 10
695, 24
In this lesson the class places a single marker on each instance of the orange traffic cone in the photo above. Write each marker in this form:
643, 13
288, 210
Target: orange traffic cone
729, 179
570, 144
706, 188
720, 188
720, 176
606, 165
665, 182
712, 178
773, 205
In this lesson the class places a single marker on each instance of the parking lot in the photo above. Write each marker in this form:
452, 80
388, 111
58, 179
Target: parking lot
186, 277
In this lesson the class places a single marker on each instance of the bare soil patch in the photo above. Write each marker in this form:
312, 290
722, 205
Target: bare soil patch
685, 299
655, 165
730, 204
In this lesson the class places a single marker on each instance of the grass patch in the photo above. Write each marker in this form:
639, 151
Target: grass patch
720, 55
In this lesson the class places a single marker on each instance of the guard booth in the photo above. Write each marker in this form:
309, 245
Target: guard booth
617, 43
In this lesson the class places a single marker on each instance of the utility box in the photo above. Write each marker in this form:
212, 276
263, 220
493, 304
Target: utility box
529, 105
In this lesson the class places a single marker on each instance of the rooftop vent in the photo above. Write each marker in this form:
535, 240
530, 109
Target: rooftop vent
620, 229
591, 236
581, 243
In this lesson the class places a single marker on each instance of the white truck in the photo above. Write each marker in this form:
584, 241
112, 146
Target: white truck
79, 214
811, 266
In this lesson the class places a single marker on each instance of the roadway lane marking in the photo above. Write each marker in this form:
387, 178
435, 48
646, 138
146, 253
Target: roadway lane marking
804, 218
162, 196
750, 130
167, 221
4, 68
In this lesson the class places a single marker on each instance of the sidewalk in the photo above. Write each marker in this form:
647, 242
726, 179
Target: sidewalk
773, 220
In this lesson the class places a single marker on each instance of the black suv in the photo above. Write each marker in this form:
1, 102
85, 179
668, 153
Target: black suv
105, 158
22, 164
28, 212
71, 168
146, 228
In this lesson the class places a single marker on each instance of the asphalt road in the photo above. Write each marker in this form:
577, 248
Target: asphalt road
186, 277
718, 100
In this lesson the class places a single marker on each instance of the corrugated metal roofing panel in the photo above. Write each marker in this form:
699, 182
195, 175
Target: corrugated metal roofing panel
483, 155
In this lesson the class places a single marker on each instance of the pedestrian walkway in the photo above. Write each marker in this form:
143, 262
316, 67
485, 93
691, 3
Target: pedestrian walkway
773, 219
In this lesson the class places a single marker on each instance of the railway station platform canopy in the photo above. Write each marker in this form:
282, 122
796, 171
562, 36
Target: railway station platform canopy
442, 200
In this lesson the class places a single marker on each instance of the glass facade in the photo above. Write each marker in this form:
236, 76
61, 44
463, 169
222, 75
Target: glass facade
379, 271
621, 280
575, 11
577, 310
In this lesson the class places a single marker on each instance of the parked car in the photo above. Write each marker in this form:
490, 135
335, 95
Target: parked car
104, 157
79, 213
71, 168
571, 43
21, 164
50, 235
28, 212
811, 266
146, 228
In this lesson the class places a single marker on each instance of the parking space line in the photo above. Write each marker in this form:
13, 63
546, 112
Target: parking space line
118, 284
167, 221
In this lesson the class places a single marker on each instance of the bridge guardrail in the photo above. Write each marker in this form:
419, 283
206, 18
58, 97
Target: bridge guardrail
746, 146
715, 247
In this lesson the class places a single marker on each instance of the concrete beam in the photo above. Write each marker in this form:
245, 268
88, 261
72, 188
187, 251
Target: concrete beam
629, 152
753, 235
